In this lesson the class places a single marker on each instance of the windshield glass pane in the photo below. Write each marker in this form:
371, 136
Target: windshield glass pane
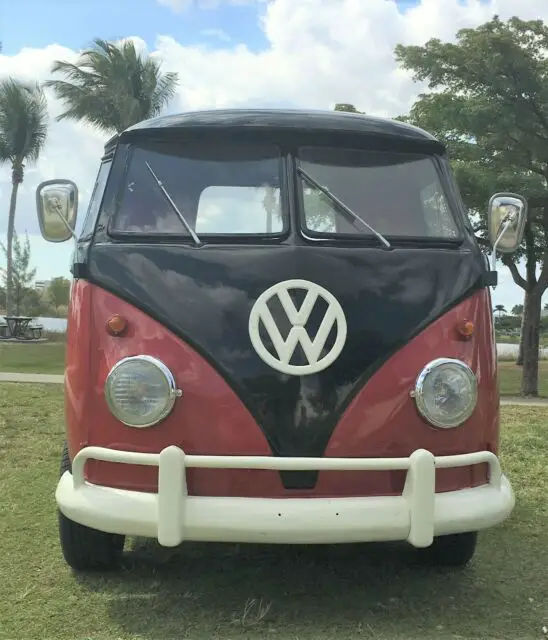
225, 189
398, 194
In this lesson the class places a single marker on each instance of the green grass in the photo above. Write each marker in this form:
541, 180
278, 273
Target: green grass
504, 339
515, 339
510, 378
45, 357
203, 592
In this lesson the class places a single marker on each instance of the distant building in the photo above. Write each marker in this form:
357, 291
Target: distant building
41, 285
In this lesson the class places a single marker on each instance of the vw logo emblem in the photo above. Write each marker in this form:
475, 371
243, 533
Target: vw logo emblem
313, 348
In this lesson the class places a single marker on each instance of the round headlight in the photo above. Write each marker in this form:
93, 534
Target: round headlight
140, 391
446, 392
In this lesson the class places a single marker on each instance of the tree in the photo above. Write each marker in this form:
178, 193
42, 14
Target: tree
112, 87
500, 309
22, 273
23, 132
31, 304
517, 310
507, 323
346, 106
489, 104
58, 293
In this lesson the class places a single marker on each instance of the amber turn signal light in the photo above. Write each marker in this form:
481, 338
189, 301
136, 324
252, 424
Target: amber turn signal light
116, 325
466, 328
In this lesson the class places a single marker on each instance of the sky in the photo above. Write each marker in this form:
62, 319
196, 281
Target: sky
228, 53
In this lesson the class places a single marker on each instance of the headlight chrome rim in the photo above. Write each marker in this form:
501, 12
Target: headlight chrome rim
418, 392
174, 392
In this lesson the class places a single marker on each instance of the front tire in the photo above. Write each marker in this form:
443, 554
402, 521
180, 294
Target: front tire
455, 550
86, 549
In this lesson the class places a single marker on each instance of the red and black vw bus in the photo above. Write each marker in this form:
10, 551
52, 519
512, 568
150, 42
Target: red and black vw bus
280, 331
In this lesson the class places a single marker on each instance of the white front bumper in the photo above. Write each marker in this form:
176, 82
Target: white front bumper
171, 515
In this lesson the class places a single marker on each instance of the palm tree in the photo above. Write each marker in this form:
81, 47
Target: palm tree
500, 309
112, 87
23, 132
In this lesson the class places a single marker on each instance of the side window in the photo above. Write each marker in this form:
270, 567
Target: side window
239, 210
96, 199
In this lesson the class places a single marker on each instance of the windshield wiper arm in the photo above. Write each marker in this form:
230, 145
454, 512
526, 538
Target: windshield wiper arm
174, 206
339, 203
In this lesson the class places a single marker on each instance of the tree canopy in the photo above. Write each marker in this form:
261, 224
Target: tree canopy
112, 87
23, 124
346, 106
58, 292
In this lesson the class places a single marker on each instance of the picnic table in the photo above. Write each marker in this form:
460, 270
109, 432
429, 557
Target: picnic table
17, 326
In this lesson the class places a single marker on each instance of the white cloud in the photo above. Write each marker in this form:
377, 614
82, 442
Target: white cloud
179, 6
216, 33
319, 52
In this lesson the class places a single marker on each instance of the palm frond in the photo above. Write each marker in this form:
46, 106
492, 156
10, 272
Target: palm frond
112, 87
166, 88
23, 121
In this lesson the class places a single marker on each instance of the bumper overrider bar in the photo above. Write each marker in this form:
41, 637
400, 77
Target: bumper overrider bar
172, 516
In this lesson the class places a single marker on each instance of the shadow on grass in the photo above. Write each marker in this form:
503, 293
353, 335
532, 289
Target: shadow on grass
237, 591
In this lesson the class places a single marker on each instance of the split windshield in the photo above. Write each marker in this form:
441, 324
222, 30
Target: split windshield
196, 189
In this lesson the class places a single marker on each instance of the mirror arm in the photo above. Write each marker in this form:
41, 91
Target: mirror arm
497, 241
67, 225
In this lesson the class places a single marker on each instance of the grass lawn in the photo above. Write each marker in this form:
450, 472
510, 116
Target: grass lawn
510, 378
235, 592
45, 357
515, 339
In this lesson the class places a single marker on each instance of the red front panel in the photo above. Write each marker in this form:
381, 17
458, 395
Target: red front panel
210, 418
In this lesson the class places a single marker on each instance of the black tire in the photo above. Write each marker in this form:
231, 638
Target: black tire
86, 549
455, 550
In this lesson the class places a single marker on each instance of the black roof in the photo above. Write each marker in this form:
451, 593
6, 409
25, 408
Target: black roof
286, 119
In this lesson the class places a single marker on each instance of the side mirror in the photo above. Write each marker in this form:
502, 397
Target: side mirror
57, 207
506, 217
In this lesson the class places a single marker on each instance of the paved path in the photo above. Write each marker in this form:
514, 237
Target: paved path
31, 377
529, 402
58, 379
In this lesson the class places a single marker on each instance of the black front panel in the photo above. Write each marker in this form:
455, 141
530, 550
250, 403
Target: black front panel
205, 296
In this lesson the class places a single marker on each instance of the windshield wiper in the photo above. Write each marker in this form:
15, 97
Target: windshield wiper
174, 206
340, 204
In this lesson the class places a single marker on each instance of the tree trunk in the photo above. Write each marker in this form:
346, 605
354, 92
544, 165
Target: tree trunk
519, 361
17, 298
9, 249
531, 338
